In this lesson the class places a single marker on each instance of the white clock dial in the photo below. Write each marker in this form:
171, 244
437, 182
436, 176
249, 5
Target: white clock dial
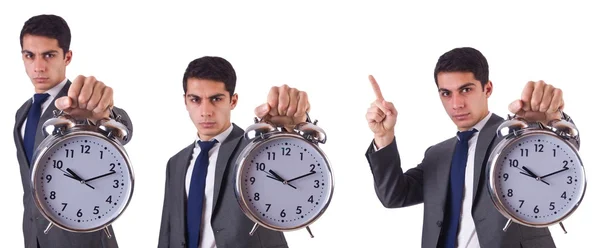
540, 179
83, 182
286, 183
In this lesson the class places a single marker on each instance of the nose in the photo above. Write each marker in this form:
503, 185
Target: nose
39, 64
458, 101
206, 109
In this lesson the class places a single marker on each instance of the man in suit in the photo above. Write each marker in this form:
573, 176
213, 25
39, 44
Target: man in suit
45, 41
458, 211
200, 209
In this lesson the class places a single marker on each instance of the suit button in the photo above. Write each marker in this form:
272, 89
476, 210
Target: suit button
439, 223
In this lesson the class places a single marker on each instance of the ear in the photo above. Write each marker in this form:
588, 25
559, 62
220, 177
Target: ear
233, 102
489, 87
68, 57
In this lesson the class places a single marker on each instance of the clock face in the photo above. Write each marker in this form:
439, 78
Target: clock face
82, 182
539, 179
286, 182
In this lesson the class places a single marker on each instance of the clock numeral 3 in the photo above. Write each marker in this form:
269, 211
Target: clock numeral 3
316, 184
116, 184
570, 180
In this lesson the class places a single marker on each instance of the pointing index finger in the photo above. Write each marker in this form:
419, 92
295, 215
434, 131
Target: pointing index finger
376, 88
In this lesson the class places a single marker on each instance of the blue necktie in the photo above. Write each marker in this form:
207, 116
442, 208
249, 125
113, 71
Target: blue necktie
457, 185
33, 117
196, 194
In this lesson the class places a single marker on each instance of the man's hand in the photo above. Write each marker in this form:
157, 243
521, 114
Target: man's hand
539, 102
87, 98
381, 117
285, 106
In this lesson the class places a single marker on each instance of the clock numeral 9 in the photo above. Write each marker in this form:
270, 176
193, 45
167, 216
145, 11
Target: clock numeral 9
570, 180
252, 180
49, 178
536, 209
57, 164
260, 166
282, 214
505, 176
513, 162
299, 210
52, 195
510, 193
256, 196
96, 210
79, 213
552, 206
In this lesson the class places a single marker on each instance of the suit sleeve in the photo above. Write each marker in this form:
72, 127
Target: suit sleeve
394, 187
125, 120
164, 233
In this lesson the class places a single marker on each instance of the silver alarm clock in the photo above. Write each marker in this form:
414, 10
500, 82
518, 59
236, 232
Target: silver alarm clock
82, 179
283, 180
535, 173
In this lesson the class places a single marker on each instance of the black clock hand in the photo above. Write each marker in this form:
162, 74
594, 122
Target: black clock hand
79, 178
281, 179
558, 171
305, 175
534, 175
269, 176
101, 176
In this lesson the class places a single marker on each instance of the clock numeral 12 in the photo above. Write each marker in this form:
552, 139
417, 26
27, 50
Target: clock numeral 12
539, 148
85, 149
285, 151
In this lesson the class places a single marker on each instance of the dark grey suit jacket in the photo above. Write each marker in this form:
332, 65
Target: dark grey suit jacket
428, 183
34, 222
230, 226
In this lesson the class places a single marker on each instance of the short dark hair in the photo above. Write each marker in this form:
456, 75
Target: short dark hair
463, 59
213, 68
51, 26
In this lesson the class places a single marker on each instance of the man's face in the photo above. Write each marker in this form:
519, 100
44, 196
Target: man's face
209, 106
463, 98
45, 62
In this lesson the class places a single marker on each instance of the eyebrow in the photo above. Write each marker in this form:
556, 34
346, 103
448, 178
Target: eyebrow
461, 87
213, 96
43, 53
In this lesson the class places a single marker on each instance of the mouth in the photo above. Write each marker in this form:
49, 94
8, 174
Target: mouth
207, 124
40, 79
461, 117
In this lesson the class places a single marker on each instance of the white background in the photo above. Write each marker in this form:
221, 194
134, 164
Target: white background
327, 49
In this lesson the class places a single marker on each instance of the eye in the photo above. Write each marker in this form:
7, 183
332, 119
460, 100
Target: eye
28, 55
444, 93
49, 55
194, 99
465, 90
216, 99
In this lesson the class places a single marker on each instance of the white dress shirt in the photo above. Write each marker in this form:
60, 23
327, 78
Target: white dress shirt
53, 92
207, 238
467, 235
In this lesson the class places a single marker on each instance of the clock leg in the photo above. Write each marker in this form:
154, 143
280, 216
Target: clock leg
309, 232
563, 227
107, 232
507, 225
50, 225
254, 229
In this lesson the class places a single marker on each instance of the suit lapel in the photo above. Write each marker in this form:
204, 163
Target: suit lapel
21, 115
49, 113
180, 177
225, 152
484, 141
443, 172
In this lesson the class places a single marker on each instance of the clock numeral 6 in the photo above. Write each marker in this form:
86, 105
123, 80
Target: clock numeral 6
79, 213
536, 209
282, 214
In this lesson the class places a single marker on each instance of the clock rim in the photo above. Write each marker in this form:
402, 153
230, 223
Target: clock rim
51, 142
244, 205
493, 166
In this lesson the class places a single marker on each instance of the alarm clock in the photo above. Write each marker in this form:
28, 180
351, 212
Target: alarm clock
535, 173
283, 180
82, 179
